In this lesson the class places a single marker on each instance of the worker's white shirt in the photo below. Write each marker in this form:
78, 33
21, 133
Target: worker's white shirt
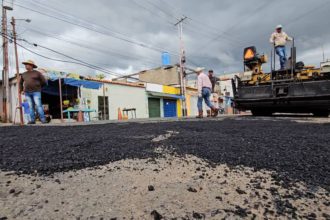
280, 39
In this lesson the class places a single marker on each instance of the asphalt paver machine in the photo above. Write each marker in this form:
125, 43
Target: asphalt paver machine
296, 89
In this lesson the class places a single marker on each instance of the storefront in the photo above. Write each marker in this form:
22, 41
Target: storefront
163, 101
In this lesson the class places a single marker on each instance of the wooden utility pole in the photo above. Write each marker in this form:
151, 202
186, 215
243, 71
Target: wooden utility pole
61, 101
5, 71
182, 61
18, 77
104, 107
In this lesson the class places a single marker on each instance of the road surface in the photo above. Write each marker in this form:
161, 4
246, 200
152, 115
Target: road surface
239, 167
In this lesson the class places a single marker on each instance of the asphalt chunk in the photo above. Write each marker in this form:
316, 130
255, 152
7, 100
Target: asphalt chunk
156, 215
239, 191
151, 188
197, 215
190, 189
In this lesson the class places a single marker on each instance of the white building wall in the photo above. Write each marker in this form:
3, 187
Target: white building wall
13, 99
128, 97
193, 106
13, 102
1, 109
161, 107
120, 96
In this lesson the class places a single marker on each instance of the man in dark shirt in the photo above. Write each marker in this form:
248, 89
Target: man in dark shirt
31, 83
213, 79
214, 96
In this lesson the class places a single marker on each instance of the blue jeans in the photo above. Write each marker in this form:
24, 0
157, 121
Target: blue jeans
281, 52
34, 100
206, 93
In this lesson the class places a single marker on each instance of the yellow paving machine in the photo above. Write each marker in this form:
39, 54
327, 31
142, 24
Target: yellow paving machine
296, 89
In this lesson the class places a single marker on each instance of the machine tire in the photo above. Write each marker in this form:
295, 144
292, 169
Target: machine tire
321, 113
261, 113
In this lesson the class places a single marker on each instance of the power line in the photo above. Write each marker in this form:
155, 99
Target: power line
76, 61
73, 62
211, 30
161, 10
93, 29
111, 34
138, 3
249, 16
67, 61
294, 20
175, 9
70, 57
306, 13
201, 25
103, 51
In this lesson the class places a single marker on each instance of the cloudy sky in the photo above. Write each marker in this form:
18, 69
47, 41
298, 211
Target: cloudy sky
127, 36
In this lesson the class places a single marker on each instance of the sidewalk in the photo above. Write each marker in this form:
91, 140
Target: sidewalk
57, 122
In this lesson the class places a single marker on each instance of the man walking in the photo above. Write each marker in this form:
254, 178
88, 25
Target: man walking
204, 86
279, 38
31, 84
214, 96
213, 79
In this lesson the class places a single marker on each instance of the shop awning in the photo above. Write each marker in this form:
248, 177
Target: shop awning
79, 83
82, 83
52, 89
165, 95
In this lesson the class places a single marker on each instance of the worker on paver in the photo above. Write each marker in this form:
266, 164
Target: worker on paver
279, 39
30, 85
204, 86
214, 96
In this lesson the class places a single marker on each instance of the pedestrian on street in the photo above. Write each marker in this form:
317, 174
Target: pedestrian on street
214, 96
30, 85
279, 39
204, 86
213, 79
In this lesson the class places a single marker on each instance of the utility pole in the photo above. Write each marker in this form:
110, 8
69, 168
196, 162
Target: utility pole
182, 62
5, 71
18, 78
323, 53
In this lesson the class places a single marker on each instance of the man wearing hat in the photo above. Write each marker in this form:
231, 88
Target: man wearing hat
204, 86
31, 83
279, 39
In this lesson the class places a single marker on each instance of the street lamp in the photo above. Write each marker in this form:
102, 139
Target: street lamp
18, 78
20, 19
7, 5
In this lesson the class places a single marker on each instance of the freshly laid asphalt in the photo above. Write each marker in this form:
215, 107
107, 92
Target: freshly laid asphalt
296, 151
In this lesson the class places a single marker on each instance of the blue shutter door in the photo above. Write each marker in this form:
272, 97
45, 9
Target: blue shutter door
170, 108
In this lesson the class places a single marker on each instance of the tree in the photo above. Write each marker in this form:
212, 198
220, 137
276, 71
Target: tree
100, 76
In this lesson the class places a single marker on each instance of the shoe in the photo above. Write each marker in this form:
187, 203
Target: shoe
208, 113
31, 123
200, 114
215, 112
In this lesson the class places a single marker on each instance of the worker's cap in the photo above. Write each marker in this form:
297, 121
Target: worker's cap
279, 26
30, 62
199, 69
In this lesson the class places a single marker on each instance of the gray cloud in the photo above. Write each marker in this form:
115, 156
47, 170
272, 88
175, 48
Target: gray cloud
215, 32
